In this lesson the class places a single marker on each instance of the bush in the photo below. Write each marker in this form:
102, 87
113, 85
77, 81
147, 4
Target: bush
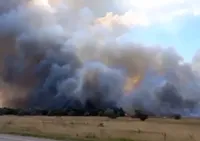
86, 114
71, 113
22, 113
141, 115
121, 112
101, 113
177, 116
110, 113
8, 111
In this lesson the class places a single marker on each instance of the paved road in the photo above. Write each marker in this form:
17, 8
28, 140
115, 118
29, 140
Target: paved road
4, 137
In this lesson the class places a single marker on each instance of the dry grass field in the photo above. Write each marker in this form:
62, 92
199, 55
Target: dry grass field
102, 128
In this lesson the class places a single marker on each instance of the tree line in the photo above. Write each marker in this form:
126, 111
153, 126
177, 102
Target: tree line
111, 113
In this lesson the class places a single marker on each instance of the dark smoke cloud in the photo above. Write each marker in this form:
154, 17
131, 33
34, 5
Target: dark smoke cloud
66, 55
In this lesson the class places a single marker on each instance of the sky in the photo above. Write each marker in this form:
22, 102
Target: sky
174, 23
168, 23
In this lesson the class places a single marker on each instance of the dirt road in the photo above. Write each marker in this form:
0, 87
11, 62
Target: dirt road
4, 137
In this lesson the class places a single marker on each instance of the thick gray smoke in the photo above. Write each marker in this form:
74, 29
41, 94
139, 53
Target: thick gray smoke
61, 54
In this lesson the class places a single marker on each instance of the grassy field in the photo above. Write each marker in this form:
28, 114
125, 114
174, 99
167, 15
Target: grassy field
95, 128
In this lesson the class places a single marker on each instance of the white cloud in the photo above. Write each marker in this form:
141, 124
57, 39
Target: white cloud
161, 11
151, 4
136, 12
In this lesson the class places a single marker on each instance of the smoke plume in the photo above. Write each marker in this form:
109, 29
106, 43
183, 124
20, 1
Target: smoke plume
56, 54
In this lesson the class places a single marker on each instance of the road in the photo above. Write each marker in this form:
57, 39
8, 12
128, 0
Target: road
4, 137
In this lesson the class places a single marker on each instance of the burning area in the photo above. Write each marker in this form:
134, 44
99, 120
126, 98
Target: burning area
67, 54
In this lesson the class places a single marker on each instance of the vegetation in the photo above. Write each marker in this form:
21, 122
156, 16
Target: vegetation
177, 116
101, 128
111, 113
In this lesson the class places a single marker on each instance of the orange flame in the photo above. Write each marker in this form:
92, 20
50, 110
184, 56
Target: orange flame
132, 82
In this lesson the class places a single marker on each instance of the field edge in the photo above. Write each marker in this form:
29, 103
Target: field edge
59, 137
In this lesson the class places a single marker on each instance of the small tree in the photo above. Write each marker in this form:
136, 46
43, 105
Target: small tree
110, 113
71, 113
121, 112
101, 113
177, 116
141, 115
86, 114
